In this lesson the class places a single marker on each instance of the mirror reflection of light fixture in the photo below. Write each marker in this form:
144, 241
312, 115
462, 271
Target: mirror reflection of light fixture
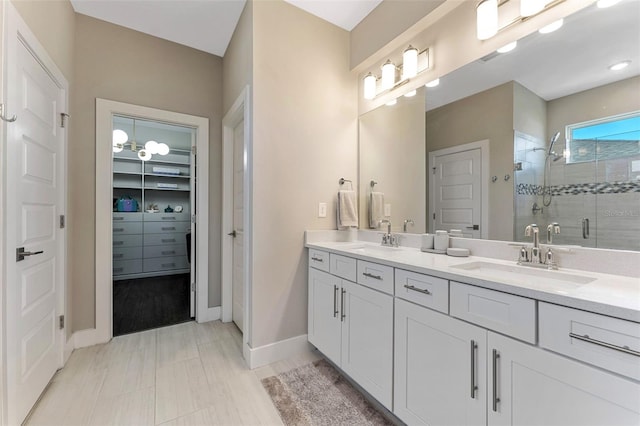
388, 75
507, 47
410, 94
487, 19
551, 27
433, 83
409, 62
369, 86
392, 102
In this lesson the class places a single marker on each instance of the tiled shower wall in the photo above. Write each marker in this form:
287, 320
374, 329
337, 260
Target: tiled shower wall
606, 192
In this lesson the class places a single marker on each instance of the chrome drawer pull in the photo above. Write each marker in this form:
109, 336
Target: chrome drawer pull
474, 387
118, 255
118, 269
588, 339
118, 229
169, 240
118, 218
317, 259
168, 265
496, 399
168, 218
335, 301
169, 252
375, 277
343, 315
168, 228
118, 243
419, 290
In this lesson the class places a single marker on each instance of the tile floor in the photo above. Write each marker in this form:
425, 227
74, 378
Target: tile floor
186, 374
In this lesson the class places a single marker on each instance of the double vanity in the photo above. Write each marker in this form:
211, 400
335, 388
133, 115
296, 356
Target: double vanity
444, 340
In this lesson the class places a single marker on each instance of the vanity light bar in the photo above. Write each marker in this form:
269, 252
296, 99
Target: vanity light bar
487, 15
414, 62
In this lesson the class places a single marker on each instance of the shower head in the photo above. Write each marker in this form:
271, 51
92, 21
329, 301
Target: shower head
553, 141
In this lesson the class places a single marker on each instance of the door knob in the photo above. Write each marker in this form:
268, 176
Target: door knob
232, 233
21, 254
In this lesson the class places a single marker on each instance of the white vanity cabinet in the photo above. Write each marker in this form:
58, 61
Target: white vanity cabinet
531, 386
352, 325
440, 368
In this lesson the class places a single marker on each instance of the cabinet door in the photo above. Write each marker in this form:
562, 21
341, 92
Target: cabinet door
440, 368
530, 386
367, 340
324, 316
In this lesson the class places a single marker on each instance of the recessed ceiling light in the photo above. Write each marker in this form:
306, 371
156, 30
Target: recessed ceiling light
619, 65
392, 102
606, 3
410, 94
551, 27
433, 83
508, 47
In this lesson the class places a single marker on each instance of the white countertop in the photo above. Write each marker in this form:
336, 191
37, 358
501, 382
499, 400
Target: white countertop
612, 295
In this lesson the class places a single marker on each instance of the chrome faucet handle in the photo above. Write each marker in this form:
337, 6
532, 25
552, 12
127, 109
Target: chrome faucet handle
553, 228
550, 260
407, 222
523, 256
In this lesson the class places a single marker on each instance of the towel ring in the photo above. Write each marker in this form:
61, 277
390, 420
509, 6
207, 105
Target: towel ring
373, 183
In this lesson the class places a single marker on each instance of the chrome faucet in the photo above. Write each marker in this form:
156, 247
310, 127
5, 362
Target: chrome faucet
388, 239
407, 222
553, 228
532, 230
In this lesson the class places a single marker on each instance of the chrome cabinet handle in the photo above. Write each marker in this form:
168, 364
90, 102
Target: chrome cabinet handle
168, 218
168, 265
118, 218
419, 290
369, 275
474, 386
335, 301
343, 315
317, 259
586, 338
496, 399
168, 228
168, 252
118, 243
118, 229
585, 228
169, 240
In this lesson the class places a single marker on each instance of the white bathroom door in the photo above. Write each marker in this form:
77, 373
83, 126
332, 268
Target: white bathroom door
238, 214
35, 199
458, 186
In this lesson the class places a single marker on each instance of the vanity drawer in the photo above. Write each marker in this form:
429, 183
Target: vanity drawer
123, 267
165, 263
127, 228
127, 240
127, 253
319, 259
163, 239
343, 266
593, 338
375, 276
166, 217
423, 289
161, 227
166, 250
505, 313
126, 217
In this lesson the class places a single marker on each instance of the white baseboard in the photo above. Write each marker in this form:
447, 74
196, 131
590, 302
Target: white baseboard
69, 346
84, 338
211, 314
273, 352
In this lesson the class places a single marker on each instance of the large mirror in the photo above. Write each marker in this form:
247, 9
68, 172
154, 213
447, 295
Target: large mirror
493, 124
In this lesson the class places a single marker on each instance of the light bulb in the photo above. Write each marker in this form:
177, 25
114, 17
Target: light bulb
433, 83
151, 146
163, 149
144, 155
409, 62
120, 137
551, 27
118, 147
487, 19
388, 75
531, 7
369, 86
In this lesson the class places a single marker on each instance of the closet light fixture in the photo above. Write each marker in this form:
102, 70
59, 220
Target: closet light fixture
370, 86
409, 62
144, 155
433, 83
388, 75
163, 149
487, 19
555, 25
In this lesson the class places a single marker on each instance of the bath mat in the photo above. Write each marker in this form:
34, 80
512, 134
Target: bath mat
316, 394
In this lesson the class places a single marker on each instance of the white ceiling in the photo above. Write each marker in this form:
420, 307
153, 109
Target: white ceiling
208, 25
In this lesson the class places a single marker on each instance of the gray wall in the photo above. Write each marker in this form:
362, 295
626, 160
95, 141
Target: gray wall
119, 64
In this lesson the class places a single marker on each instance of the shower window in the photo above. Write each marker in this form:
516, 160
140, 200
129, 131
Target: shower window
604, 139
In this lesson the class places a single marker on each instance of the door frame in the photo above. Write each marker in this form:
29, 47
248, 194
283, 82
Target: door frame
15, 30
483, 145
240, 110
105, 110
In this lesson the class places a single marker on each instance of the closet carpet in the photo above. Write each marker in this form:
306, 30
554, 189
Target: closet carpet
146, 303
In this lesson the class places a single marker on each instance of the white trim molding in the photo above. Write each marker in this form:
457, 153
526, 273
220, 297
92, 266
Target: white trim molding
274, 352
105, 110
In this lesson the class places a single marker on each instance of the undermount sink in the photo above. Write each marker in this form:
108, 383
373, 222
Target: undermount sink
372, 248
498, 270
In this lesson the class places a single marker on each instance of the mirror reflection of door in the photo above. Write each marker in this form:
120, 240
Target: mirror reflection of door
238, 213
153, 237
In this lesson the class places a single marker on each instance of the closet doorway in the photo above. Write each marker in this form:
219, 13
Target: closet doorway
153, 197
153, 164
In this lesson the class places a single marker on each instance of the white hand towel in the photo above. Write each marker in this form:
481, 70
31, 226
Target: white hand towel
376, 209
347, 209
